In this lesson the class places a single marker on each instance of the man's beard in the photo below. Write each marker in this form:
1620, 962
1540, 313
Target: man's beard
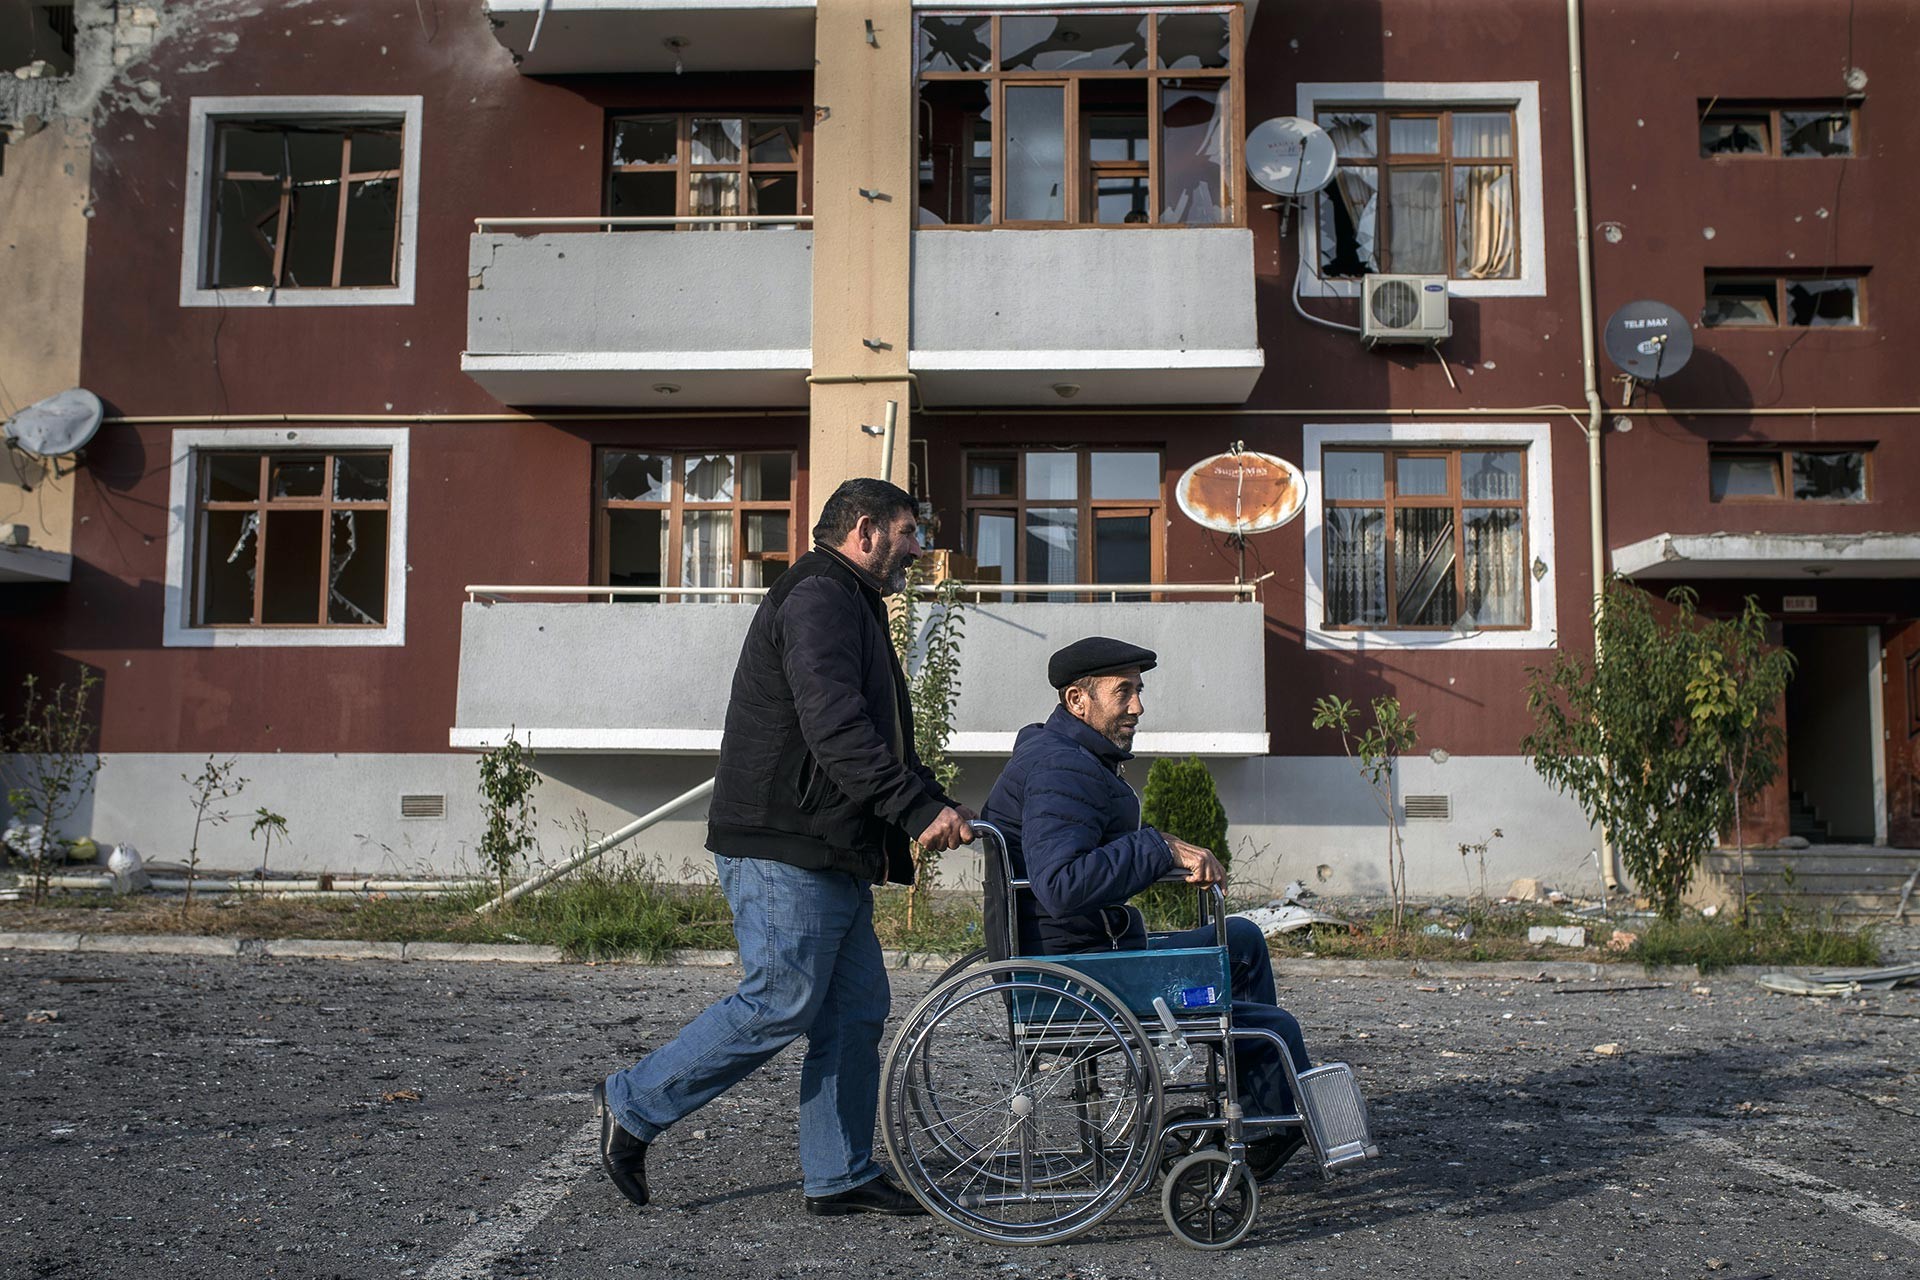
1120, 731
890, 567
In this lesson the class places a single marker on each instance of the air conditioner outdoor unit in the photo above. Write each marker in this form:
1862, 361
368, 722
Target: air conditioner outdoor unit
1404, 309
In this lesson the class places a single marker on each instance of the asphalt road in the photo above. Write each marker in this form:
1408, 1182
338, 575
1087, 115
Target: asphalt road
218, 1118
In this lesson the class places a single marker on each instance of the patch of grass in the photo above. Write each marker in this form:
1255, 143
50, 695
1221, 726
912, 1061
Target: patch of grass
1769, 940
1496, 933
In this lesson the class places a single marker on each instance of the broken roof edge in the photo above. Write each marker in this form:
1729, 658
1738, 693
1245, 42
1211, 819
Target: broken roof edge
1721, 554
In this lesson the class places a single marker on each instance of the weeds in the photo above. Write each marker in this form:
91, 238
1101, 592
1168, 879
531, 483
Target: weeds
1768, 940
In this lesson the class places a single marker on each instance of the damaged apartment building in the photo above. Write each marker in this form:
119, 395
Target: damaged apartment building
469, 369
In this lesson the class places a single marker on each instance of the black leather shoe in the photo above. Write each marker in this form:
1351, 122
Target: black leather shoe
1266, 1155
876, 1196
622, 1155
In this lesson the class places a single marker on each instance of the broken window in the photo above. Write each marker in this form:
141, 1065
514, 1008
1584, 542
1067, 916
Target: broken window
1426, 538
294, 539
685, 164
1793, 130
1749, 299
1437, 199
1097, 118
306, 204
1066, 516
693, 519
36, 40
1803, 475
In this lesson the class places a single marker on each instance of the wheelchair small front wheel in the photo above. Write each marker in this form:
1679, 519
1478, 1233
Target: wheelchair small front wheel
1208, 1202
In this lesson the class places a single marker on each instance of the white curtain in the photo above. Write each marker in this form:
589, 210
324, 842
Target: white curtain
706, 550
1356, 566
1496, 572
1483, 198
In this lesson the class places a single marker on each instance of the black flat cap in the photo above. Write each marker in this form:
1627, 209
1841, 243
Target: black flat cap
1097, 656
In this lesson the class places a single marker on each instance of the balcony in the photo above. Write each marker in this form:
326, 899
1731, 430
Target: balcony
555, 664
1011, 317
565, 311
586, 37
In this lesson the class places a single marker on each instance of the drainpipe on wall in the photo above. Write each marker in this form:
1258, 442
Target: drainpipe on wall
1576, 96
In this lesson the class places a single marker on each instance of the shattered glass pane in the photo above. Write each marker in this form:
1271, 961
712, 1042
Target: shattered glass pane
245, 150
296, 477
644, 140
295, 552
1820, 303
1353, 133
360, 477
956, 153
229, 550
1739, 302
1353, 475
1830, 477
1816, 133
642, 195
243, 252
1195, 151
716, 140
636, 548
1733, 136
1073, 42
1053, 475
709, 477
1194, 40
766, 477
634, 477
1035, 165
1423, 567
1413, 135
312, 227
1349, 218
776, 193
775, 142
373, 220
1750, 475
357, 573
231, 477
955, 44
376, 150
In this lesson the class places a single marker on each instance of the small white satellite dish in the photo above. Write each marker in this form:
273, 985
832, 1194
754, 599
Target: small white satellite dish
58, 425
1290, 156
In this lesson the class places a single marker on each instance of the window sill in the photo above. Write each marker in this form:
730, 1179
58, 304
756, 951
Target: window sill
257, 296
391, 636
1412, 639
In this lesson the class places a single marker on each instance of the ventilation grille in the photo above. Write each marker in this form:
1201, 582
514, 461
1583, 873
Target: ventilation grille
1429, 808
1395, 304
423, 806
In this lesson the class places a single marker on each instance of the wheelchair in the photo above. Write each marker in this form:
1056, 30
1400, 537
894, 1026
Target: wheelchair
1027, 1098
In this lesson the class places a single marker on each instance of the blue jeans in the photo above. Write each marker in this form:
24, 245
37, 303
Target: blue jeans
813, 968
1262, 1079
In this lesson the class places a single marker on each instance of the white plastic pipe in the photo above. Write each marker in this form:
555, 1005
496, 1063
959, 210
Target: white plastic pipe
593, 851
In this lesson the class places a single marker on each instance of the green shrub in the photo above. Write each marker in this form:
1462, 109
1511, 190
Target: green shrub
1181, 800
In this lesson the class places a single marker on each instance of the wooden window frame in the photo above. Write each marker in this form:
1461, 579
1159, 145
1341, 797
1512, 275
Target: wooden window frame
324, 503
1088, 508
1780, 280
1771, 111
745, 169
1077, 185
676, 507
284, 215
1385, 160
1782, 457
1390, 502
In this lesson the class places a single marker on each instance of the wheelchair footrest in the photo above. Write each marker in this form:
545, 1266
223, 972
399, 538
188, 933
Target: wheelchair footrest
1336, 1115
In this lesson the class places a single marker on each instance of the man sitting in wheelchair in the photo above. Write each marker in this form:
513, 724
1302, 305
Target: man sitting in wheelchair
1072, 826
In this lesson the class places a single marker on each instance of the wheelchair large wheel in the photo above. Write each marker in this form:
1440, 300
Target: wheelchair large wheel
1022, 1102
1207, 1202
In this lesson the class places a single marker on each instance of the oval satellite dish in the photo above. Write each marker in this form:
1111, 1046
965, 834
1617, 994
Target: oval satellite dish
1290, 156
1649, 340
58, 425
1242, 492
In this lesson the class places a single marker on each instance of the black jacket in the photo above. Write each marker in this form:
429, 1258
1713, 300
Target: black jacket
817, 767
1073, 830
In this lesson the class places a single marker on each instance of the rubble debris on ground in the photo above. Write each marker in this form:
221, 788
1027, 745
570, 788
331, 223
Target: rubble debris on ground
1840, 982
1560, 935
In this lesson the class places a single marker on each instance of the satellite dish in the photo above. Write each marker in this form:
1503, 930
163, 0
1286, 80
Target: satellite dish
1649, 340
1242, 492
1290, 156
58, 425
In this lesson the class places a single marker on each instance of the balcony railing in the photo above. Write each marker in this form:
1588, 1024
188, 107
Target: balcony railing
558, 666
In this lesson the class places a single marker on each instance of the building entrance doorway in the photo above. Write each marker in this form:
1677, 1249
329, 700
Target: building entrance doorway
1836, 791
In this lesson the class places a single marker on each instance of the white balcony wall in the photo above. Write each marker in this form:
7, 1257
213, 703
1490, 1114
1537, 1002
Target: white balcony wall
654, 678
1123, 316
586, 37
602, 318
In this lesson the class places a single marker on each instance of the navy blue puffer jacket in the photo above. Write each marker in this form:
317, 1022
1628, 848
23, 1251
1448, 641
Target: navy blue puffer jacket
1073, 829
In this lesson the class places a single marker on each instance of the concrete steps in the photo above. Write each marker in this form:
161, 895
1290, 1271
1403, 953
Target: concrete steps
1850, 883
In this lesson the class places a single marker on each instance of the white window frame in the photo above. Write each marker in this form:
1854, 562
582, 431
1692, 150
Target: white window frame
1523, 96
206, 113
1534, 437
178, 631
